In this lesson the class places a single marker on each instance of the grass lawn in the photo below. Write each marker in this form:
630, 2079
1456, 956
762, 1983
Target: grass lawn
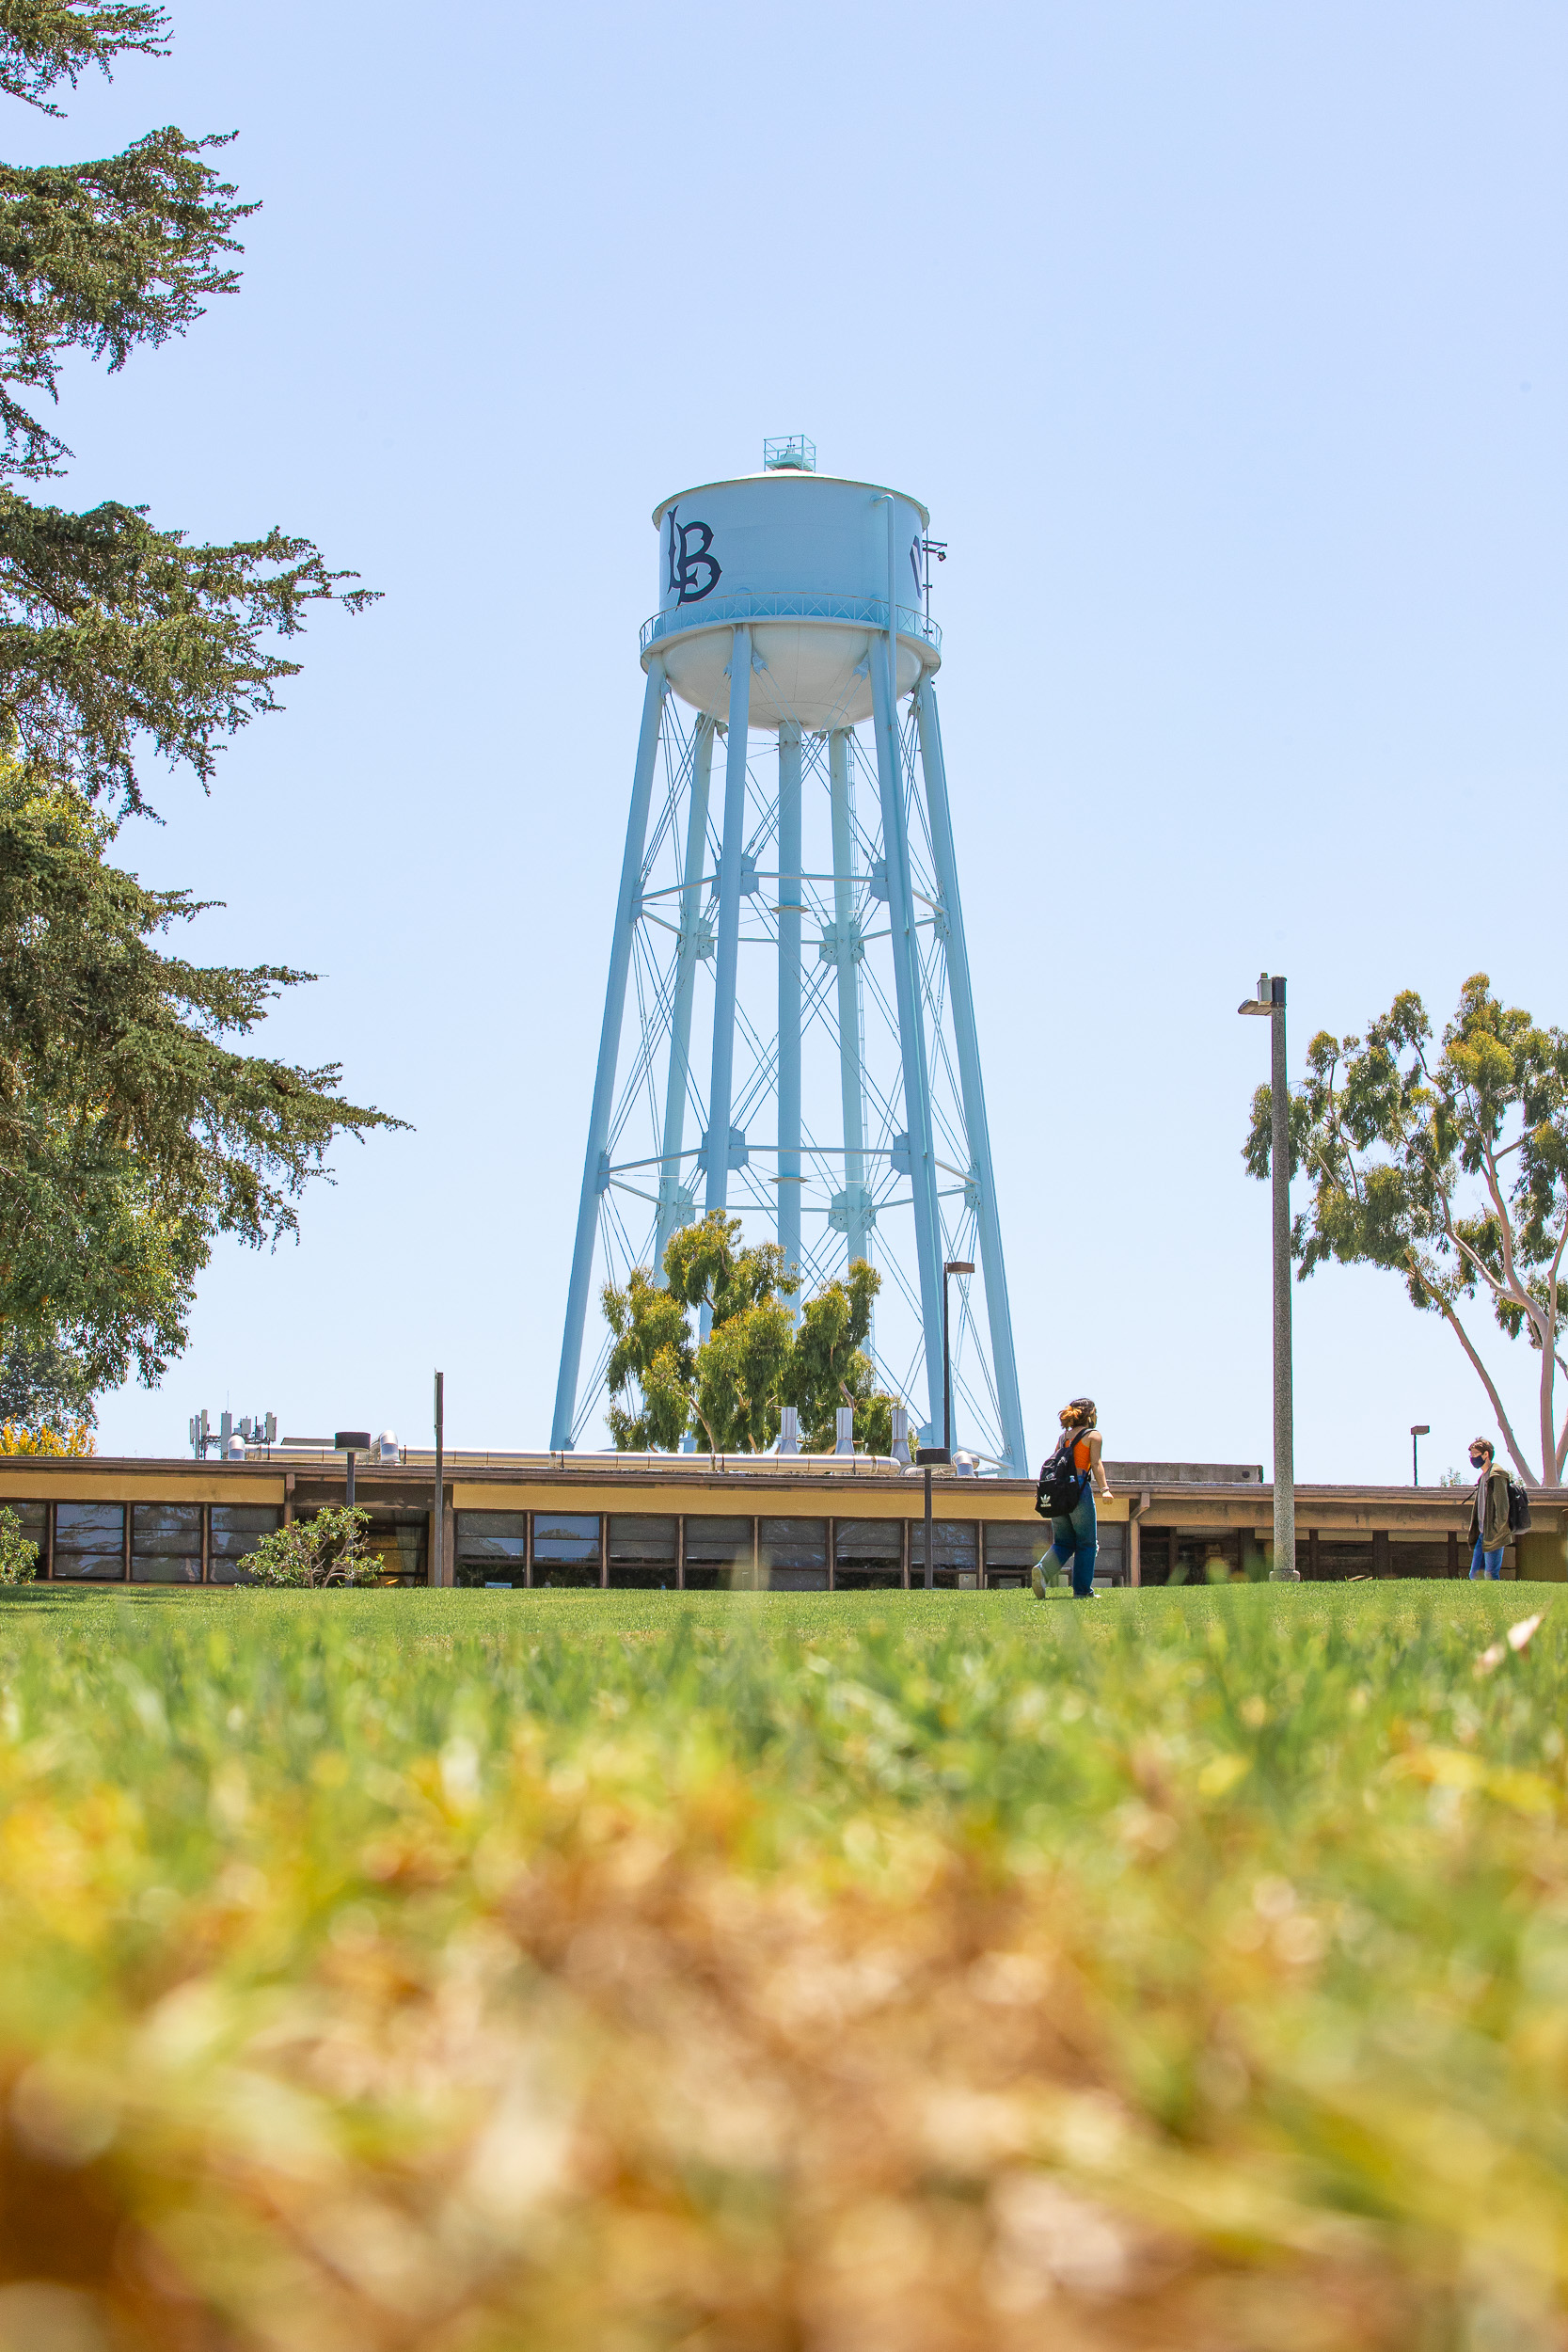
899, 1973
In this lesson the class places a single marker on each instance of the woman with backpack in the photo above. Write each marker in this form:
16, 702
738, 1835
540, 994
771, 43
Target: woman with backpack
1489, 1513
1067, 1485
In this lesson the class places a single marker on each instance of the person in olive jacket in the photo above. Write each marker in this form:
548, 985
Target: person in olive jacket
1488, 1512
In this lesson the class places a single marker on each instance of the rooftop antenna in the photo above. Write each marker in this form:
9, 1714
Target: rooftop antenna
794, 454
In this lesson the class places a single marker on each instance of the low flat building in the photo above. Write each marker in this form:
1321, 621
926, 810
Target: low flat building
688, 1521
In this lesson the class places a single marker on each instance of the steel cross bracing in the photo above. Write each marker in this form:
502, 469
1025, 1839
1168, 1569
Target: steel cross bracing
814, 1055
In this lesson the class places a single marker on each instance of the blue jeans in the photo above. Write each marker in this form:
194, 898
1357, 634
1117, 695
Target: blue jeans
1076, 1540
1486, 1564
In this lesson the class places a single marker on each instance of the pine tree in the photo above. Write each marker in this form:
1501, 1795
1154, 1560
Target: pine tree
131, 1133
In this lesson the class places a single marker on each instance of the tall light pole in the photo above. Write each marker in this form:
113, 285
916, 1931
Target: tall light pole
927, 1455
351, 1442
438, 1565
1418, 1429
1268, 1004
954, 1266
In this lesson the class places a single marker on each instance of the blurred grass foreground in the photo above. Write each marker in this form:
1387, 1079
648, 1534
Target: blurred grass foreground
783, 1973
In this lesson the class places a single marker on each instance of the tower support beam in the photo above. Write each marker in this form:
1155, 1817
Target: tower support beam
912, 1023
852, 1086
719, 1090
789, 1001
609, 1046
1005, 1369
688, 956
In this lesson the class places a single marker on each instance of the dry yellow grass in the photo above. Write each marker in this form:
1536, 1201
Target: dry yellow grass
843, 1980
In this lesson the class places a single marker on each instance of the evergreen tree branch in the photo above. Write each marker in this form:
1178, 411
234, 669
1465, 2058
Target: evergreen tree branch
45, 43
111, 629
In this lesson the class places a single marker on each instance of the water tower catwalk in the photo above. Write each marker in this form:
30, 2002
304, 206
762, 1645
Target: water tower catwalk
802, 1047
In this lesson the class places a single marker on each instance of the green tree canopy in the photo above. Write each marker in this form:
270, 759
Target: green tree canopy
754, 1361
45, 1384
1447, 1164
131, 1133
119, 637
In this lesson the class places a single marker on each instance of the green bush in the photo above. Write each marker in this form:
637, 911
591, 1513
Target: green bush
19, 1559
328, 1548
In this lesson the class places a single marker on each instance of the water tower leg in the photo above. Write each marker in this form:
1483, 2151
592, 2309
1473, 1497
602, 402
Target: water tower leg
693, 898
935, 771
850, 1085
911, 1025
609, 1047
789, 1002
729, 924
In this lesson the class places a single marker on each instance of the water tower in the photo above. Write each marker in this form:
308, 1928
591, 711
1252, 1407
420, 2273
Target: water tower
789, 936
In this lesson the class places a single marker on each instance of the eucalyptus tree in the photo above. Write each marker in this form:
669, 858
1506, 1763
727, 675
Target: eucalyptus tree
1445, 1162
732, 1385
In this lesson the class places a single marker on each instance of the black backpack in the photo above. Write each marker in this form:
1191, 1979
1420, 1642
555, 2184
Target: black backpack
1061, 1484
1518, 1509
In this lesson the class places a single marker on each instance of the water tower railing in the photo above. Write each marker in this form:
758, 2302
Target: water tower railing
788, 605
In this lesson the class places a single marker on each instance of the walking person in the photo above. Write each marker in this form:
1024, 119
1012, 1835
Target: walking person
1067, 1485
1488, 1512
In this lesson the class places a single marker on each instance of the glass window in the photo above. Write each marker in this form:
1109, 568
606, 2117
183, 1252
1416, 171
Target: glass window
869, 1551
793, 1543
1012, 1548
164, 1567
792, 1554
490, 1548
955, 1550
718, 1542
558, 1536
236, 1530
401, 1544
172, 1527
166, 1543
643, 1552
566, 1548
90, 1541
89, 1526
636, 1541
717, 1553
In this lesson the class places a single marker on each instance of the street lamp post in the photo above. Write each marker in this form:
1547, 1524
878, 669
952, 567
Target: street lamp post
351, 1442
954, 1266
1418, 1429
944, 1453
1269, 1003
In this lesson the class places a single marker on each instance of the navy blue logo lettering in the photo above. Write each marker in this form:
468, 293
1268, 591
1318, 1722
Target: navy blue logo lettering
693, 573
914, 566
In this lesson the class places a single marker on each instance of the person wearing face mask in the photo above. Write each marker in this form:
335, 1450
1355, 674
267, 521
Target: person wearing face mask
1488, 1512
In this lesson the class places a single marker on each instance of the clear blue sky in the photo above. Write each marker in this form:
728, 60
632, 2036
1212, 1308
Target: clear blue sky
1225, 344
